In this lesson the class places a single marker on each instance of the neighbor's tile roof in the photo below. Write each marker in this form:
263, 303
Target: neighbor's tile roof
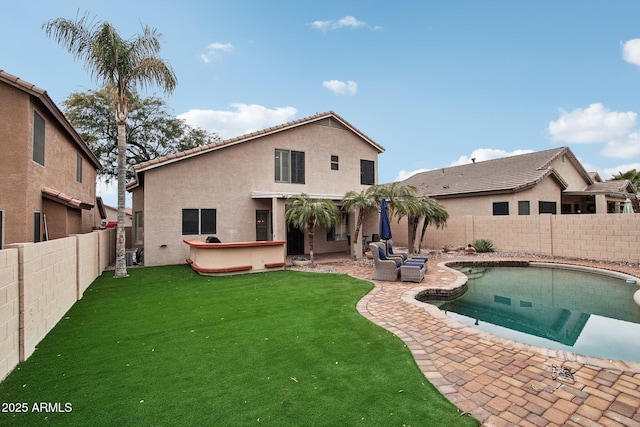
507, 174
251, 136
42, 95
615, 186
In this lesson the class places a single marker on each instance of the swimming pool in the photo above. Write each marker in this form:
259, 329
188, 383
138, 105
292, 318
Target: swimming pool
551, 306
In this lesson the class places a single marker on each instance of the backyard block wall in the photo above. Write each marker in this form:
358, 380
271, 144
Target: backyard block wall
603, 237
39, 282
9, 310
48, 290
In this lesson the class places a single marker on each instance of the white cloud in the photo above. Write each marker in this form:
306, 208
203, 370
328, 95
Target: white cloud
482, 154
626, 147
631, 51
340, 87
214, 50
592, 124
242, 119
345, 22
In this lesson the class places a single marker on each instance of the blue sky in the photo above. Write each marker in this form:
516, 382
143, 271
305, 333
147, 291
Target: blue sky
435, 82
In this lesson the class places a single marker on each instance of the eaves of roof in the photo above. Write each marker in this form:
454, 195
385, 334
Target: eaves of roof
48, 103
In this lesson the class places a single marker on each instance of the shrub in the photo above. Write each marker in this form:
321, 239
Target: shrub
483, 245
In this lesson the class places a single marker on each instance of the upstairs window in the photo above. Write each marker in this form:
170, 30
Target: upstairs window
367, 172
289, 166
78, 167
38, 138
334, 163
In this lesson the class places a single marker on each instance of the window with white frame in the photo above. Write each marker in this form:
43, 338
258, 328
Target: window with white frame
289, 166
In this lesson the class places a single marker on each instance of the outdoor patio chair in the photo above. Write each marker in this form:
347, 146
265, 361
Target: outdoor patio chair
384, 268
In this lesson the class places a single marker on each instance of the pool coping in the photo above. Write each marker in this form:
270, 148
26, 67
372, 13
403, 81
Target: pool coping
460, 281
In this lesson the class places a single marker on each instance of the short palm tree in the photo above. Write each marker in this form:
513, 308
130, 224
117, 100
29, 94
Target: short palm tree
417, 208
121, 66
362, 202
305, 213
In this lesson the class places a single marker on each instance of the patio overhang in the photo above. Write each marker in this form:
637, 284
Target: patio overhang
288, 194
60, 197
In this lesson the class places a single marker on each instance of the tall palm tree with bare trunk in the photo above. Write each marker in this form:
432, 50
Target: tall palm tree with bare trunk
122, 67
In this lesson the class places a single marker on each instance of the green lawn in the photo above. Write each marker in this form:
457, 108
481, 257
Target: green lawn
167, 347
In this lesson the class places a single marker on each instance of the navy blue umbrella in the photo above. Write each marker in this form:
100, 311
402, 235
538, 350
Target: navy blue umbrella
385, 227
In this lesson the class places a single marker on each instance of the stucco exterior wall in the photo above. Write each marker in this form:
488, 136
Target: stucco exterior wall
225, 179
9, 311
23, 179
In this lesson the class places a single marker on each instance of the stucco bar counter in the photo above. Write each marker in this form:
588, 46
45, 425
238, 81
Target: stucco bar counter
219, 259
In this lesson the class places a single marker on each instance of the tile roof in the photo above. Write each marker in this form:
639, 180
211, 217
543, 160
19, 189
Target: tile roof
507, 174
42, 95
251, 136
65, 199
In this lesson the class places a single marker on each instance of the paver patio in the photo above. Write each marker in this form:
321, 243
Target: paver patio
498, 381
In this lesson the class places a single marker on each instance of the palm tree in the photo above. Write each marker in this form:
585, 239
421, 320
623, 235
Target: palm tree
362, 202
437, 215
121, 66
396, 195
632, 175
417, 208
305, 213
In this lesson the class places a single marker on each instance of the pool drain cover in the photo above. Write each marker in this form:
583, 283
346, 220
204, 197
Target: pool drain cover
561, 373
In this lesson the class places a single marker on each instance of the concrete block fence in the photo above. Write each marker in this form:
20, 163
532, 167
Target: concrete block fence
39, 282
601, 237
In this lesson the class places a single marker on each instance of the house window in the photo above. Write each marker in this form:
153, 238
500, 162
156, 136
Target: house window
340, 230
289, 166
524, 207
334, 163
37, 230
138, 227
547, 207
207, 221
198, 221
38, 138
78, 167
367, 172
501, 208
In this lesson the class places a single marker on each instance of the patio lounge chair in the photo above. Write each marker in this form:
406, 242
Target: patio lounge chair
384, 268
405, 258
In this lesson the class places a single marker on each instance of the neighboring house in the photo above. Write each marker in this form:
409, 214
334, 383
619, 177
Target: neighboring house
47, 172
111, 215
544, 182
237, 189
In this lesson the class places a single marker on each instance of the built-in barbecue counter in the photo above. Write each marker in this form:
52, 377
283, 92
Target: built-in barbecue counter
220, 259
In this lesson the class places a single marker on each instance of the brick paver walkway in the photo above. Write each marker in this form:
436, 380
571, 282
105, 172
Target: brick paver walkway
498, 381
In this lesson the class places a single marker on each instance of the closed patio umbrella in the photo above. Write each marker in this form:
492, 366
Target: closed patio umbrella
627, 208
385, 226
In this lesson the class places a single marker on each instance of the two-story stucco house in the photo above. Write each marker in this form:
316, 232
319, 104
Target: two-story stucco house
47, 172
237, 189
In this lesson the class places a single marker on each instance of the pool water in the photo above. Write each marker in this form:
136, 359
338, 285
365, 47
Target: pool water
561, 309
